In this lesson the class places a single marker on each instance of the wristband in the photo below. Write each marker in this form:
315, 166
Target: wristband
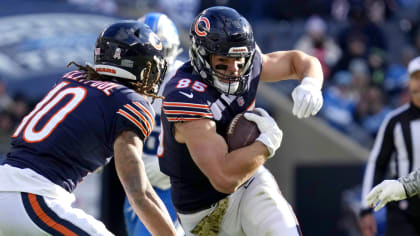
315, 82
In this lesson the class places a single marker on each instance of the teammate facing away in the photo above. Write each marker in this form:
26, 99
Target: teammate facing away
168, 33
215, 192
89, 116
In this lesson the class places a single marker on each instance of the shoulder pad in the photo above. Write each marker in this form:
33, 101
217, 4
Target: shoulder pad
138, 116
185, 100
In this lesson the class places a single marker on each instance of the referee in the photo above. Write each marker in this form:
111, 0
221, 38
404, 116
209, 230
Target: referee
395, 154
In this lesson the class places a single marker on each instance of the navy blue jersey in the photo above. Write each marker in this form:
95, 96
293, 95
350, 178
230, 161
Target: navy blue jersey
71, 131
188, 98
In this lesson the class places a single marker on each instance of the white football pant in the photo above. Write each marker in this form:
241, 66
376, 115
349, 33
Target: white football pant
30, 214
257, 208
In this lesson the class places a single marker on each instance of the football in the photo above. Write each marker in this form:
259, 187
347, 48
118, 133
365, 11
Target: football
241, 132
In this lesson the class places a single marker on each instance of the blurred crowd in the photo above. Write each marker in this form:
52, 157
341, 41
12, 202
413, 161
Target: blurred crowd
12, 110
364, 47
363, 83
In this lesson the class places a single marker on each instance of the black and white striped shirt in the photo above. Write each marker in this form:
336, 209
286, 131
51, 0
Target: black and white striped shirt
396, 151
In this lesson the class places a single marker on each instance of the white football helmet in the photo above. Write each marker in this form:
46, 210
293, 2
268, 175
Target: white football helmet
167, 32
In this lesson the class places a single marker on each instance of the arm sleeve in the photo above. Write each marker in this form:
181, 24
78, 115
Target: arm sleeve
379, 158
411, 183
177, 108
136, 116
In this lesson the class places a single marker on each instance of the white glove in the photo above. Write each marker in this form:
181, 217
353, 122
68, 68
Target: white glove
387, 191
307, 97
270, 134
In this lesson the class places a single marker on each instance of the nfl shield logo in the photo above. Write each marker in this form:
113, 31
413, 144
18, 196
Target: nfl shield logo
117, 54
240, 101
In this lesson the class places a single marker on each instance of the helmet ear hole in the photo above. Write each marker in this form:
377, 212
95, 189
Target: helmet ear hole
137, 33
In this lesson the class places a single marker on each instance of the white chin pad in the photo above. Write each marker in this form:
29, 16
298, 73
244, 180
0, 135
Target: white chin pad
226, 87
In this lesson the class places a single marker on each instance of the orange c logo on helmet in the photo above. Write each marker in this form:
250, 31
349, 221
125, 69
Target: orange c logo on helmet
207, 26
155, 41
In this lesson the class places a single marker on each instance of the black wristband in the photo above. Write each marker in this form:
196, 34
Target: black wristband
405, 190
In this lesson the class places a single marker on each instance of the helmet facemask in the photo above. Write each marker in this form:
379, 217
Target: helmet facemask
222, 31
152, 75
171, 51
201, 59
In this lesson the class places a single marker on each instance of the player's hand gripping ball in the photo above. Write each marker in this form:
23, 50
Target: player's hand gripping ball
241, 132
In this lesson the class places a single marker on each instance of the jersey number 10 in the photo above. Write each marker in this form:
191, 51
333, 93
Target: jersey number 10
29, 122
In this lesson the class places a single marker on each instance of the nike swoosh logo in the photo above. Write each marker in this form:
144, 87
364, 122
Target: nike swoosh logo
188, 95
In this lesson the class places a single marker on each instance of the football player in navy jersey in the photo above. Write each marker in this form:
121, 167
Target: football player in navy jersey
89, 116
216, 192
168, 33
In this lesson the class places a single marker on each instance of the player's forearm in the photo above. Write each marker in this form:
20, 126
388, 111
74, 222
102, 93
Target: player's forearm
145, 201
411, 183
152, 212
155, 176
242, 163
